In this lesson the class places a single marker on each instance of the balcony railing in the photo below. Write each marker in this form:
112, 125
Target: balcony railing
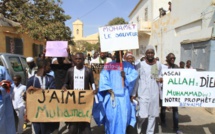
144, 25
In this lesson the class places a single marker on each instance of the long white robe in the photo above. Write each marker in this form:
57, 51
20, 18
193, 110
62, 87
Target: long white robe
147, 89
102, 61
161, 84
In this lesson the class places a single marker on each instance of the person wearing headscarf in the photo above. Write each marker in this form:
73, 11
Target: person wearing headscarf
129, 58
146, 90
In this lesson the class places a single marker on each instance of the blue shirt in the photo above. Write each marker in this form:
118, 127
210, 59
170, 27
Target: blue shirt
7, 121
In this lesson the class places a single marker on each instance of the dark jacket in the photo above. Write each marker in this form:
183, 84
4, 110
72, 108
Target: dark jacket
60, 73
173, 66
33, 81
88, 81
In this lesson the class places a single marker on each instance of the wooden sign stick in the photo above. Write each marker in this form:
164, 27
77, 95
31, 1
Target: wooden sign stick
121, 66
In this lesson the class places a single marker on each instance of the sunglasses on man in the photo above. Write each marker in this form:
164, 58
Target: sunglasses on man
172, 58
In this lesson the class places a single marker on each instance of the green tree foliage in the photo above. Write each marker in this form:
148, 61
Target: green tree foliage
97, 46
84, 46
41, 19
3, 8
117, 21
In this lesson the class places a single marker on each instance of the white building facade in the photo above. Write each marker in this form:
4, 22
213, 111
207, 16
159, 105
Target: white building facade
143, 14
189, 21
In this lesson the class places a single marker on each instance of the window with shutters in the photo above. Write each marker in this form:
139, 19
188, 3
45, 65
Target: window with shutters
146, 14
14, 45
137, 18
37, 49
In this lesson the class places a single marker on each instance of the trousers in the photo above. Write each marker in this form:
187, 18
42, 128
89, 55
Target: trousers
174, 116
79, 128
20, 114
150, 126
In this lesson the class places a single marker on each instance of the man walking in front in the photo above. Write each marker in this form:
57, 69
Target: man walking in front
115, 96
170, 58
42, 81
79, 77
147, 90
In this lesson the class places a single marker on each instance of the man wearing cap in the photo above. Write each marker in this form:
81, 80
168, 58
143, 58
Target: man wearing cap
117, 111
129, 58
147, 90
31, 70
32, 66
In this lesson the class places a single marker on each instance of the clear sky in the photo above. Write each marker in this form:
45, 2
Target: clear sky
96, 13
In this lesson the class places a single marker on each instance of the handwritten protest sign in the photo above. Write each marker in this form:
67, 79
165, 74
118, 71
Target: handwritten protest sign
60, 106
118, 37
56, 49
188, 88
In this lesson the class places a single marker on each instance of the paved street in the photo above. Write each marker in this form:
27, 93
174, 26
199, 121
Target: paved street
191, 121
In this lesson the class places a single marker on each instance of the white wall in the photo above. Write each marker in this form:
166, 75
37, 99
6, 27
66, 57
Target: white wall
153, 13
189, 20
186, 11
153, 9
140, 11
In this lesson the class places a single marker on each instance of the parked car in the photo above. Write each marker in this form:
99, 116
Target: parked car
15, 64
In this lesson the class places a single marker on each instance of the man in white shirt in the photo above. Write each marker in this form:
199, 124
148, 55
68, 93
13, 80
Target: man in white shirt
188, 65
79, 77
18, 102
101, 59
32, 66
97, 65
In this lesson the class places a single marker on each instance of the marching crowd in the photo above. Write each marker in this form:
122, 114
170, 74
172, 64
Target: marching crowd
127, 97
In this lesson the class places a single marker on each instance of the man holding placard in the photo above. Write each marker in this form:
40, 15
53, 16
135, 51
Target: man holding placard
60, 66
117, 79
170, 58
147, 90
42, 81
79, 77
119, 112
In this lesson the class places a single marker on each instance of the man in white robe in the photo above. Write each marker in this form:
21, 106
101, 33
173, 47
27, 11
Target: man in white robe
101, 59
147, 90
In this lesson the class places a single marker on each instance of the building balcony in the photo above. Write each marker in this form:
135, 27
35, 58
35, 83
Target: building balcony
144, 26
